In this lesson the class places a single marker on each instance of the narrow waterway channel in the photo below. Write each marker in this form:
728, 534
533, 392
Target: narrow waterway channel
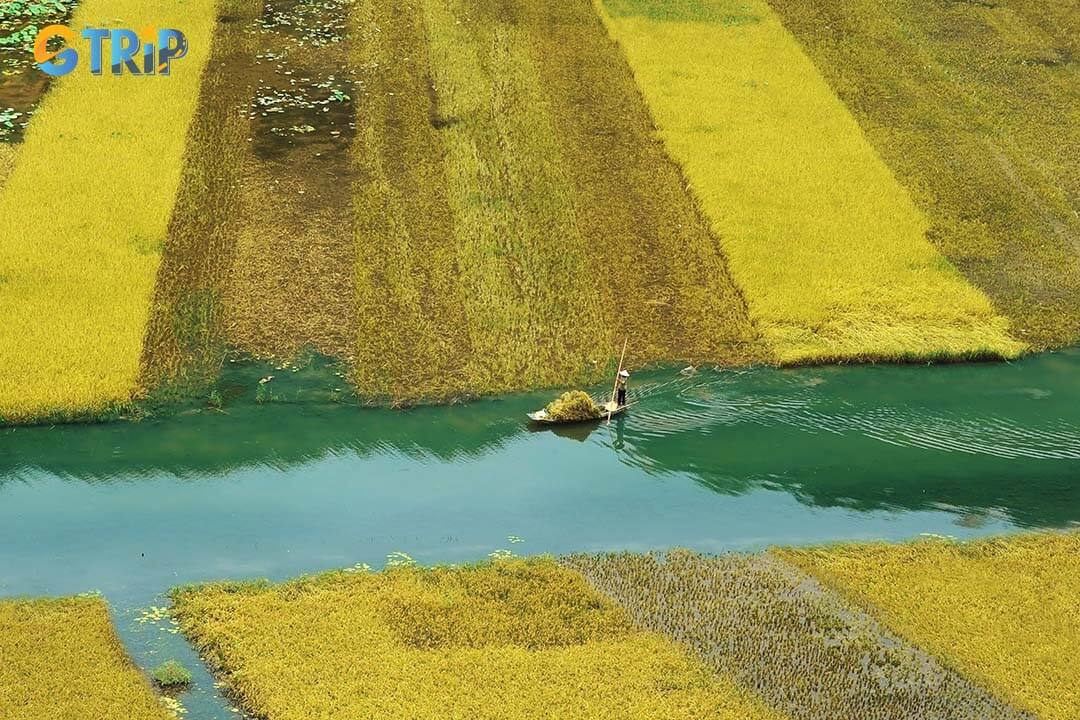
712, 460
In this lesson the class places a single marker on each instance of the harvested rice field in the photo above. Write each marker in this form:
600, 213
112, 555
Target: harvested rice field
777, 632
974, 106
291, 283
507, 639
1002, 611
825, 243
186, 339
62, 659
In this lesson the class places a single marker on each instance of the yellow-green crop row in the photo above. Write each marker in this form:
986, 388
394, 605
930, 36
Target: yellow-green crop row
1002, 611
826, 245
974, 107
83, 216
516, 217
530, 303
509, 639
61, 659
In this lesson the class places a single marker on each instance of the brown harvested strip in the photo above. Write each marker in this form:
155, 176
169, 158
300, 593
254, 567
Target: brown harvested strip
412, 339
532, 297
779, 633
291, 284
185, 342
972, 105
664, 280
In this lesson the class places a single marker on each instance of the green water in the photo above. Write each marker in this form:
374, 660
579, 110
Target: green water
717, 460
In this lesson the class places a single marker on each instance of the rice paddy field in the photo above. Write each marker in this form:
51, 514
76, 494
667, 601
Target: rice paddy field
451, 199
80, 252
62, 659
1001, 611
973, 106
408, 204
826, 244
513, 638
678, 634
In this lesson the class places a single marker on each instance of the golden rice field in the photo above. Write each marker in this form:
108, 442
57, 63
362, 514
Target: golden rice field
61, 660
979, 631
508, 639
825, 243
83, 218
974, 107
8, 155
457, 198
1002, 611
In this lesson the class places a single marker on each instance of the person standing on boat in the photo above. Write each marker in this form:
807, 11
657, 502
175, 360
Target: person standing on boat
620, 387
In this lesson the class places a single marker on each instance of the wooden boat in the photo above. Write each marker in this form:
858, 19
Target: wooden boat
541, 417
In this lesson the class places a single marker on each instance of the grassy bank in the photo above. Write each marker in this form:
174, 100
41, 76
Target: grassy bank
826, 245
973, 106
509, 639
83, 216
62, 659
1002, 611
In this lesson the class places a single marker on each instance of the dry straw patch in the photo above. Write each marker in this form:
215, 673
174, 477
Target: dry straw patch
974, 106
1003, 611
828, 248
8, 155
778, 632
83, 217
61, 659
510, 639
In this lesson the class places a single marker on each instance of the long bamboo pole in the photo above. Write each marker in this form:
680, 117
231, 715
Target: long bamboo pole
615, 388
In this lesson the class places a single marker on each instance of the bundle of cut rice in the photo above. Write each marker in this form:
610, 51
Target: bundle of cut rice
574, 406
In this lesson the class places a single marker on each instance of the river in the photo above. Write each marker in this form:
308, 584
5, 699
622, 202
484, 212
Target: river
713, 460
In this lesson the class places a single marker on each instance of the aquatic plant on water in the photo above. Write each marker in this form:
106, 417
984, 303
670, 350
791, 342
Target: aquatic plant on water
171, 675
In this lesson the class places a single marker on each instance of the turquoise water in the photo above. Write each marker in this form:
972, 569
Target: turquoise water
713, 460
